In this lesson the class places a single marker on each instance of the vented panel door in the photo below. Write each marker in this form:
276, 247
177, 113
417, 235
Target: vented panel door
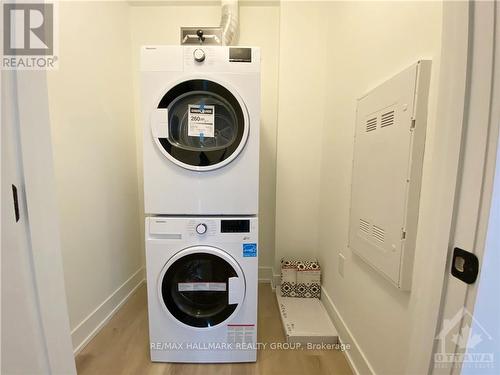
388, 155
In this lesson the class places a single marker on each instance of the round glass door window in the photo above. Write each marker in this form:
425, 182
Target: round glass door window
206, 125
195, 289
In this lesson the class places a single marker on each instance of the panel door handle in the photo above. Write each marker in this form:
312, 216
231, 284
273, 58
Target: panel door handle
15, 201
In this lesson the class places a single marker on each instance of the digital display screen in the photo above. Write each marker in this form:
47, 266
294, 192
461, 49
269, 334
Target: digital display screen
240, 54
235, 226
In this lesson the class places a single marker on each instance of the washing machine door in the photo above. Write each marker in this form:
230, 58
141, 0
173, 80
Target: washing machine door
200, 124
202, 286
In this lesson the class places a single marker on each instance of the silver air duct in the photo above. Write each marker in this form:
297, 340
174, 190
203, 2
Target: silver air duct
229, 22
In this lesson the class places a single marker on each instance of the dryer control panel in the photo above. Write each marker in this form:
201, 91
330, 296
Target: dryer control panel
200, 59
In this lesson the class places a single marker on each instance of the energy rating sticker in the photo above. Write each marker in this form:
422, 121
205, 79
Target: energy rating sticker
201, 121
249, 250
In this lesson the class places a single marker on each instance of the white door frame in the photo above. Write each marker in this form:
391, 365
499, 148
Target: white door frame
462, 124
39, 196
475, 184
435, 223
43, 217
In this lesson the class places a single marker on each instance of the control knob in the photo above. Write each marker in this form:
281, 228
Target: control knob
199, 55
201, 228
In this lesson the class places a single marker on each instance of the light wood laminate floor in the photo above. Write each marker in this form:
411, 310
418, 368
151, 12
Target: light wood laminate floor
121, 347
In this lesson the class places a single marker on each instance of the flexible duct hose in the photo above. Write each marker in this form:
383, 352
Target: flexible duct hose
229, 22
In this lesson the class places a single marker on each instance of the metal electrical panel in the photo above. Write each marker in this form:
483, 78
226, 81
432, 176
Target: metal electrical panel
387, 173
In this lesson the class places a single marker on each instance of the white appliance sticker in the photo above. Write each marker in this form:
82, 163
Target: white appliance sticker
241, 334
201, 121
201, 287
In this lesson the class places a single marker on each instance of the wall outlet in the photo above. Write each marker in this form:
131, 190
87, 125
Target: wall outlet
341, 264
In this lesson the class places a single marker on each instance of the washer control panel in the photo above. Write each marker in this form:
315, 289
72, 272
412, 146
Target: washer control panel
225, 229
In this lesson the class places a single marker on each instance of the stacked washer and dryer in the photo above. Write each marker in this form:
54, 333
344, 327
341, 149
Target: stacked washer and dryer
201, 109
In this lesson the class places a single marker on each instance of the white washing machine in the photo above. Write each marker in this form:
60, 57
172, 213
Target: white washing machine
202, 288
201, 115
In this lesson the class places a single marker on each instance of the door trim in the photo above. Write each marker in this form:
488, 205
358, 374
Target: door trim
436, 212
475, 184
43, 217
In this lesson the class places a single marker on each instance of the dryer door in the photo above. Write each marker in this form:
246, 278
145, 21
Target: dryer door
200, 125
202, 286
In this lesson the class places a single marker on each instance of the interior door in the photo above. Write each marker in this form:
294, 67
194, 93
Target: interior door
23, 348
200, 124
202, 286
35, 325
454, 339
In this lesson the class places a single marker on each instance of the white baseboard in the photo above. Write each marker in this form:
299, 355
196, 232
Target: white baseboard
265, 274
355, 356
95, 321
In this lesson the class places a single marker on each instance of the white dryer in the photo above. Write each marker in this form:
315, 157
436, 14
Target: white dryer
201, 115
202, 288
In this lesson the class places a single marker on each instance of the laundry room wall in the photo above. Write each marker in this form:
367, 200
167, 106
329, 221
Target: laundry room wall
317, 59
372, 42
302, 89
93, 133
160, 22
